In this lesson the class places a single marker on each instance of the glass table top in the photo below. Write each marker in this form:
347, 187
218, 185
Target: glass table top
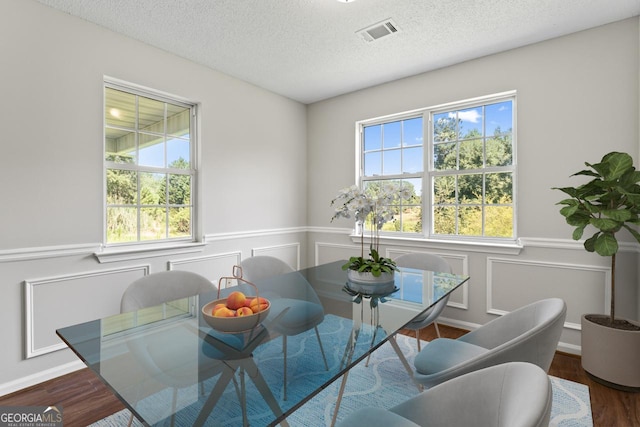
166, 362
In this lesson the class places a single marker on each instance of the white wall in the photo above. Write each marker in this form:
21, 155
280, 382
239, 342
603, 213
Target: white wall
577, 99
252, 154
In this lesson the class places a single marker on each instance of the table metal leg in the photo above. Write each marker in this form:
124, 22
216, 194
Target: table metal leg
394, 344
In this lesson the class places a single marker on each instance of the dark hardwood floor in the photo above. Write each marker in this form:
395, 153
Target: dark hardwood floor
85, 399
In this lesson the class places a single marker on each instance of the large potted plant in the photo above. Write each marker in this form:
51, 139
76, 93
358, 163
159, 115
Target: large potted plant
371, 208
608, 203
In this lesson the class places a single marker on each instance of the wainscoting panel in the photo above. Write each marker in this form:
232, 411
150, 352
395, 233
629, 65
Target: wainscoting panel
329, 252
289, 253
92, 295
514, 283
213, 267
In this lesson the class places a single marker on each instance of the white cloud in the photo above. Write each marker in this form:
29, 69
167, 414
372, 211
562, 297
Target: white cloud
471, 116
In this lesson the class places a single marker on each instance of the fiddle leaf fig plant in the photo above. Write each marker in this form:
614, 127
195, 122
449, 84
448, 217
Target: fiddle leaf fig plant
608, 203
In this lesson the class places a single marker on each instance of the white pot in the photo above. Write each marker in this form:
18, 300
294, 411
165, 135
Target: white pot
611, 355
367, 283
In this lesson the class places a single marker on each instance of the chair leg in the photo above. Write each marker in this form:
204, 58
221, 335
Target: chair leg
321, 349
418, 339
284, 350
437, 329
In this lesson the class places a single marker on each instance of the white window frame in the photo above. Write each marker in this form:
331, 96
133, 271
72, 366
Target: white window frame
193, 170
428, 168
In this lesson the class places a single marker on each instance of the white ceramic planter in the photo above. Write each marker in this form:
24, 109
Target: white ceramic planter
611, 355
369, 284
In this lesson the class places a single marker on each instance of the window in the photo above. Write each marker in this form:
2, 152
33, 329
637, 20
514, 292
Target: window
469, 161
149, 166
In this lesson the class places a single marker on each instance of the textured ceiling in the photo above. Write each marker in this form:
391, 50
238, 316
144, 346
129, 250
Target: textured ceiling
309, 50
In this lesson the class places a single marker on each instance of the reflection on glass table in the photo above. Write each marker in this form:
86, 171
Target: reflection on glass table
211, 367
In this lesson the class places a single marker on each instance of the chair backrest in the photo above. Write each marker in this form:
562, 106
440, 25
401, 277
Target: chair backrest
528, 334
431, 262
513, 394
262, 267
275, 278
158, 288
424, 261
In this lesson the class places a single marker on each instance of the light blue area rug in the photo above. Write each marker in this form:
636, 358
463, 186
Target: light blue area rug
383, 383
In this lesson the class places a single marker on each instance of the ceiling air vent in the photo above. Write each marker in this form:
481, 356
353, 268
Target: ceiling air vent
379, 30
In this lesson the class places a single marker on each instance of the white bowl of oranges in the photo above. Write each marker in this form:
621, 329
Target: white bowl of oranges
236, 313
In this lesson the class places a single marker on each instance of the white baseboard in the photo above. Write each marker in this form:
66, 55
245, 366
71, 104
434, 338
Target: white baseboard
40, 377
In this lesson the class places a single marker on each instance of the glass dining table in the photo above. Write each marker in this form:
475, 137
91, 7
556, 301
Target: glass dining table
169, 367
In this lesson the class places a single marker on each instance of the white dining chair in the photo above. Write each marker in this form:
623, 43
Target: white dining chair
431, 262
285, 288
515, 394
527, 334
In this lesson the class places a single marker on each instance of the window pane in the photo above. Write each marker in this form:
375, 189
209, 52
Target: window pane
470, 188
470, 123
178, 153
444, 190
444, 127
470, 221
150, 138
412, 160
178, 120
179, 222
392, 135
391, 162
179, 189
445, 156
153, 223
499, 151
499, 221
412, 219
471, 156
499, 118
151, 150
151, 115
372, 137
119, 108
373, 164
122, 225
412, 132
152, 188
122, 187
499, 188
120, 146
444, 220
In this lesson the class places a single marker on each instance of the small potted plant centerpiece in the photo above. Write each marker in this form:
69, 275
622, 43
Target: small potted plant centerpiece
370, 208
609, 202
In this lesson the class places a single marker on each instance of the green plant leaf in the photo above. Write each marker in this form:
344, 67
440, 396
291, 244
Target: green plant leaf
606, 225
606, 244
578, 232
590, 243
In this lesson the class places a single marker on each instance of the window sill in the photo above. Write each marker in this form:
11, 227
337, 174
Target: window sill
504, 248
126, 253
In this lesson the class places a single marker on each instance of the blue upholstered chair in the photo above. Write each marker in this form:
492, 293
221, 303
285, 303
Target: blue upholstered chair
285, 288
515, 394
527, 334
431, 262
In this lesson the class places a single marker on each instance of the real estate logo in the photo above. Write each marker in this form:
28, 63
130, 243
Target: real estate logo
30, 416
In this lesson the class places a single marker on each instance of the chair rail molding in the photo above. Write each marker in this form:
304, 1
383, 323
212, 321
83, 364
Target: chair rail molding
34, 253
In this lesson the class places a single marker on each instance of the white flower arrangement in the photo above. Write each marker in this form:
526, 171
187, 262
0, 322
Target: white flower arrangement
376, 208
